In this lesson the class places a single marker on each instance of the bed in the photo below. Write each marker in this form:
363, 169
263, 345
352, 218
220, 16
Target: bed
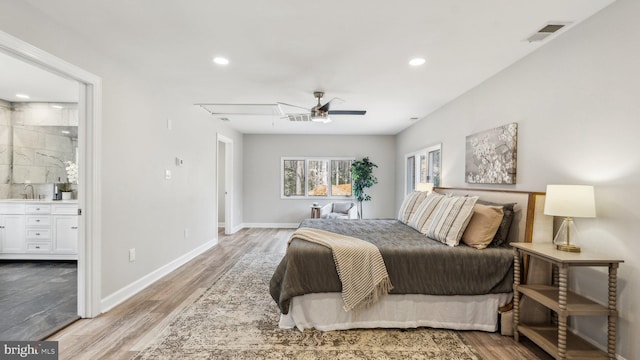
435, 285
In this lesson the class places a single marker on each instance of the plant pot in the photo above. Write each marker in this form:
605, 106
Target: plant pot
66, 195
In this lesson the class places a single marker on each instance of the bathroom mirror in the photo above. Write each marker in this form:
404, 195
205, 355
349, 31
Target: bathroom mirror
39, 138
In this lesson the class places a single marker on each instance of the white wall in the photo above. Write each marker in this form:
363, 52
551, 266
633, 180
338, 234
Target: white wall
262, 154
140, 208
576, 101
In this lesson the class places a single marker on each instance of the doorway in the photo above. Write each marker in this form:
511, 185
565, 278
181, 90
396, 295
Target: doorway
225, 183
88, 161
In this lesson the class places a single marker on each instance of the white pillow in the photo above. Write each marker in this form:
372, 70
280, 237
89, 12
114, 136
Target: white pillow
341, 207
419, 220
409, 205
451, 218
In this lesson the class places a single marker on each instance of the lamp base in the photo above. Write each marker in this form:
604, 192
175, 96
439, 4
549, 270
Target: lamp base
569, 248
567, 236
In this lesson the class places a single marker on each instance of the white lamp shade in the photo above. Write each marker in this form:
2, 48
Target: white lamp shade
570, 201
424, 187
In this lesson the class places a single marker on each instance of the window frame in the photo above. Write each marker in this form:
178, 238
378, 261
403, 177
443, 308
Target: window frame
417, 162
306, 160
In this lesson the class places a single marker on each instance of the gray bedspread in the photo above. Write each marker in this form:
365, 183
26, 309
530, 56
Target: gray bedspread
416, 264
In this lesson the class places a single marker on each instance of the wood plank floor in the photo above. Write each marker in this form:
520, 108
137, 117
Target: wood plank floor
122, 332
37, 298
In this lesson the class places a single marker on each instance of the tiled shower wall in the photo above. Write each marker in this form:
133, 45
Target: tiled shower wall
31, 141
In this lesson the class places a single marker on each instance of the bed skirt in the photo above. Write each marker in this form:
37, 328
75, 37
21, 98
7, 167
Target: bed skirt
323, 311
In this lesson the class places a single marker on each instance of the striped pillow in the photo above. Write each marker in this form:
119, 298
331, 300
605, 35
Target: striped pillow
451, 218
409, 205
420, 218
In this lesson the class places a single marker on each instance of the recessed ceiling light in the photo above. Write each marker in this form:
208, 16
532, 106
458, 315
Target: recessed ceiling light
65, 131
221, 61
417, 61
57, 106
23, 96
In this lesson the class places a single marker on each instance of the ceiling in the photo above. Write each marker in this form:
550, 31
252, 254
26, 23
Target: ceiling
283, 50
20, 77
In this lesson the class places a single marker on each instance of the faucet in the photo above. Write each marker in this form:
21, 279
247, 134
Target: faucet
33, 195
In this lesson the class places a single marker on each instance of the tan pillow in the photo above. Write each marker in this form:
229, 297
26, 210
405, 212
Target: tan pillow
483, 225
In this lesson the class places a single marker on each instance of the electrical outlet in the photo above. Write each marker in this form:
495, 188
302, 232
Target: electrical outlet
132, 255
167, 174
186, 233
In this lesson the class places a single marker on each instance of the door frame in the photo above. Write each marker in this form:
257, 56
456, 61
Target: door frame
228, 181
89, 144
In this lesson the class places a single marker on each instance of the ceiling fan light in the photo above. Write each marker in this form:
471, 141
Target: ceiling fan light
319, 118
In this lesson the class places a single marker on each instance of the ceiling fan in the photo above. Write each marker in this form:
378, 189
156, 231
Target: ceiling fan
319, 113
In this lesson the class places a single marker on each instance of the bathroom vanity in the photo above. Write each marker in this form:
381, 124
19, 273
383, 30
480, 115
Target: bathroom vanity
39, 229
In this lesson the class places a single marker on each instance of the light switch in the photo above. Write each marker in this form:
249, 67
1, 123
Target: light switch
167, 174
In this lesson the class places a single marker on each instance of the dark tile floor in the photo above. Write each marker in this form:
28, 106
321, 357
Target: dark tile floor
36, 298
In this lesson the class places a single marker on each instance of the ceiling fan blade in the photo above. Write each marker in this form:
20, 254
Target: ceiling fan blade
347, 112
241, 109
295, 106
326, 106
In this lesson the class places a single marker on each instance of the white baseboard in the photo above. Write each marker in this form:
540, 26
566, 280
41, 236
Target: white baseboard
221, 224
135, 287
271, 225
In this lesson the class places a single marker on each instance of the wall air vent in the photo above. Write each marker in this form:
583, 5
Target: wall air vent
546, 31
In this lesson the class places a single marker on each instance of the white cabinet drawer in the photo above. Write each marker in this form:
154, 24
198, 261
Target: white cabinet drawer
38, 247
37, 234
38, 209
11, 209
35, 220
65, 209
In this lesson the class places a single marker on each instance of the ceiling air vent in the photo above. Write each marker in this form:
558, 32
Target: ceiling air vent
546, 31
299, 117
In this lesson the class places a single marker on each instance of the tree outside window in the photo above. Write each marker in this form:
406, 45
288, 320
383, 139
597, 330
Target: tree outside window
341, 177
293, 178
316, 177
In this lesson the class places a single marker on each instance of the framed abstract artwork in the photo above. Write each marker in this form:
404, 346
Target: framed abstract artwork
491, 156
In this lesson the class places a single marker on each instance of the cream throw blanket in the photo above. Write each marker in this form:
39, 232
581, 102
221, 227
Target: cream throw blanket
359, 264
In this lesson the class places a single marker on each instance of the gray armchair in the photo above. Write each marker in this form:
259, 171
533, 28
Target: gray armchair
339, 210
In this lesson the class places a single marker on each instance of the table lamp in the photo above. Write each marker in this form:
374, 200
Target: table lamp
428, 187
569, 201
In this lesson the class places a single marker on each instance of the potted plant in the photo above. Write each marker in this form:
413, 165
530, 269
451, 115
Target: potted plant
362, 175
72, 178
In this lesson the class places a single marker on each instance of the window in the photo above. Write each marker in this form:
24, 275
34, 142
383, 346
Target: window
422, 166
293, 171
316, 177
341, 177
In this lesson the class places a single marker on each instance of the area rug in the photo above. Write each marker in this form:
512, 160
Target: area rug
237, 319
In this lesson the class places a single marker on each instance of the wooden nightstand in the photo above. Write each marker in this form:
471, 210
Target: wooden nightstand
315, 211
555, 339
